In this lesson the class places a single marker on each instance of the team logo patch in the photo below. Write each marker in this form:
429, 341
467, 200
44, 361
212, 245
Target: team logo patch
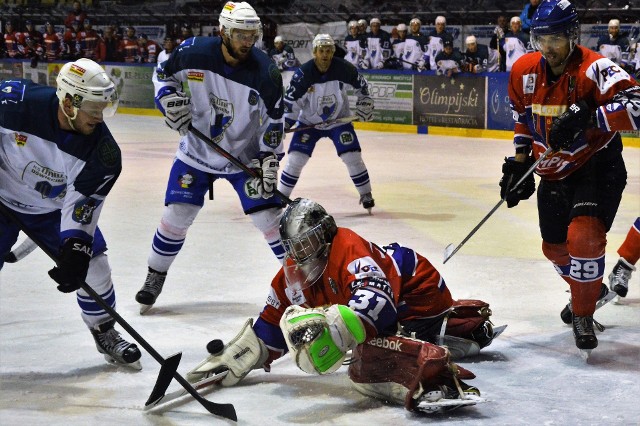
108, 152
83, 210
326, 107
77, 100
21, 140
273, 136
195, 76
253, 98
250, 189
75, 69
346, 138
186, 180
529, 83
222, 113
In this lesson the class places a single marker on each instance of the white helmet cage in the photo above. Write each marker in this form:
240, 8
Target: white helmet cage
86, 81
240, 16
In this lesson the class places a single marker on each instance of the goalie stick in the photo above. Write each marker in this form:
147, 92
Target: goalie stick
343, 120
233, 160
169, 365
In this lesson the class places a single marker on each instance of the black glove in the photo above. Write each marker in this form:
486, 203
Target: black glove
569, 124
512, 172
73, 264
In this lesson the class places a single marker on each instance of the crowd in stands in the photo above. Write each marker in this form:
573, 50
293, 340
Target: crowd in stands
405, 47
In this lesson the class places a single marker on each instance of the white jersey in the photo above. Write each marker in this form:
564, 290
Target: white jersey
435, 46
413, 53
398, 48
44, 168
612, 51
374, 53
513, 48
239, 108
313, 97
355, 52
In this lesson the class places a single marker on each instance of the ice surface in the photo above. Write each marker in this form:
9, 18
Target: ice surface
429, 190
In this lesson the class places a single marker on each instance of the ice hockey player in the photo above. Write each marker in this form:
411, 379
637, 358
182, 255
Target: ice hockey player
236, 100
337, 293
629, 252
58, 163
317, 94
574, 101
283, 55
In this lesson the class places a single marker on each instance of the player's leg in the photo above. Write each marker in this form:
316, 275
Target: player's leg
300, 150
183, 200
264, 213
629, 252
348, 148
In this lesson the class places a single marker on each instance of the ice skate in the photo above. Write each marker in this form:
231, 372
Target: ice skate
150, 290
620, 276
116, 350
605, 297
367, 201
584, 334
448, 397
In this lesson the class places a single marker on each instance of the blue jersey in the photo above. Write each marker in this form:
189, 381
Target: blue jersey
44, 168
314, 97
239, 108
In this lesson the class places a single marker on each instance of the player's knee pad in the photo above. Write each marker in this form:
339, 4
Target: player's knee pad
268, 222
353, 159
296, 161
177, 218
586, 237
469, 319
398, 369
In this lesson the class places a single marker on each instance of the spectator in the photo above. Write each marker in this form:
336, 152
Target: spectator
378, 45
437, 38
31, 32
129, 46
76, 14
527, 14
282, 54
88, 40
353, 45
415, 48
148, 50
110, 46
478, 57
495, 43
515, 43
450, 61
615, 45
13, 42
53, 43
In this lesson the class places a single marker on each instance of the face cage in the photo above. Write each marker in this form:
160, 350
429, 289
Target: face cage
572, 34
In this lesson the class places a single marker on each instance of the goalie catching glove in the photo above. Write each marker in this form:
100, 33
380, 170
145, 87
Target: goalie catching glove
319, 339
266, 167
364, 108
177, 111
244, 353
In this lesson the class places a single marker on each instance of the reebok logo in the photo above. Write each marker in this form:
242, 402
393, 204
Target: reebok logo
383, 342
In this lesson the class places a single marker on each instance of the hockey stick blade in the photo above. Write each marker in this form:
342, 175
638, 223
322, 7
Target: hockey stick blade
172, 396
167, 370
343, 120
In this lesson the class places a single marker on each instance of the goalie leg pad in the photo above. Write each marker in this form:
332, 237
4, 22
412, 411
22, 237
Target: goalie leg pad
399, 369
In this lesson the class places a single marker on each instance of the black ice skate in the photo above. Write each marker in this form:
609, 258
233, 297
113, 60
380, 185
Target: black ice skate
620, 276
367, 201
605, 297
116, 350
586, 339
150, 290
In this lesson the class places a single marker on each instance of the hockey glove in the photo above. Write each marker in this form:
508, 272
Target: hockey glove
244, 353
73, 265
364, 108
568, 125
177, 111
266, 166
512, 172
319, 339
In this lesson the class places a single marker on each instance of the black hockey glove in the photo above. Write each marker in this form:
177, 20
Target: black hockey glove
566, 127
512, 172
73, 265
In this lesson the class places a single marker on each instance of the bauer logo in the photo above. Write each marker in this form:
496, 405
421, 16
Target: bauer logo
195, 76
383, 342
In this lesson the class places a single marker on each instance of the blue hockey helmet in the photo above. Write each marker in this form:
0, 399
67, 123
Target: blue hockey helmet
555, 17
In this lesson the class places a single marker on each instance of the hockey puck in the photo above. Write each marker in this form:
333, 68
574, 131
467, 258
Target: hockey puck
215, 346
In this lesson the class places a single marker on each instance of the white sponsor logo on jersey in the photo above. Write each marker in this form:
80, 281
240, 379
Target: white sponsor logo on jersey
365, 267
529, 83
383, 342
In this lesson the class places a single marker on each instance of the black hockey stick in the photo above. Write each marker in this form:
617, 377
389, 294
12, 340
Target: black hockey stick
222, 410
449, 251
343, 120
220, 150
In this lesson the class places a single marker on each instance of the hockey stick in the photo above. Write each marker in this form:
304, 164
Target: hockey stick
172, 396
222, 410
26, 247
343, 120
220, 150
449, 251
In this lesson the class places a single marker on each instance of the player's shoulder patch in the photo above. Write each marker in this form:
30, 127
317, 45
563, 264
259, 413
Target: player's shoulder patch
605, 73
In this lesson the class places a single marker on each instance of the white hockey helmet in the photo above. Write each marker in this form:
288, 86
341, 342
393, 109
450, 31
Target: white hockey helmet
239, 16
278, 39
352, 24
89, 87
323, 40
402, 27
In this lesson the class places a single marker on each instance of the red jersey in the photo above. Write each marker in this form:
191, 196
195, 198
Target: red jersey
52, 46
129, 49
606, 88
383, 285
14, 44
88, 41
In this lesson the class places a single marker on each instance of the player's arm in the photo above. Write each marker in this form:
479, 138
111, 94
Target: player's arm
170, 98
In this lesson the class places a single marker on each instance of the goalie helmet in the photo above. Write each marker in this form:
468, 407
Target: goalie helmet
89, 87
555, 17
306, 230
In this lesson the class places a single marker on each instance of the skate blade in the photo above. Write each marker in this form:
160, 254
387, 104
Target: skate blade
448, 404
369, 211
144, 308
135, 365
585, 354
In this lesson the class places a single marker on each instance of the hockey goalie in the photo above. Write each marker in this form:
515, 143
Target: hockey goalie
340, 299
